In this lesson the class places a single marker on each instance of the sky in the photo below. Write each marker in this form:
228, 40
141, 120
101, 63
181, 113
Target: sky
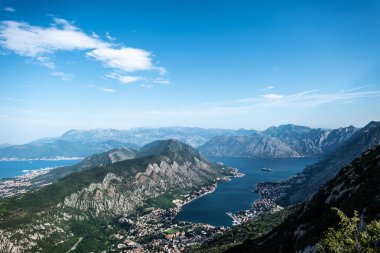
198, 63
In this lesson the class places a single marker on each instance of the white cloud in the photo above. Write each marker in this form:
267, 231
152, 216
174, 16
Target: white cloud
94, 35
63, 76
41, 42
125, 59
9, 9
34, 41
147, 86
272, 96
125, 78
12, 99
107, 90
109, 37
161, 80
267, 88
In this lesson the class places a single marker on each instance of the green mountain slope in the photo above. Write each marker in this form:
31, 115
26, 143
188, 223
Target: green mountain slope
355, 187
315, 176
81, 203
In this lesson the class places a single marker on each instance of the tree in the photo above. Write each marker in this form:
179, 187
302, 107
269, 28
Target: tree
352, 236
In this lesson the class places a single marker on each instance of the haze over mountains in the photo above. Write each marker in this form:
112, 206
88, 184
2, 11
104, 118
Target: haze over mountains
274, 142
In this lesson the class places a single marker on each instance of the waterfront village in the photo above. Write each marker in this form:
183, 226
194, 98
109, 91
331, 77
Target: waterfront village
269, 193
18, 185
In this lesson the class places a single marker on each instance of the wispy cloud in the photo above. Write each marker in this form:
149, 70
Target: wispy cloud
12, 99
147, 86
272, 96
161, 80
304, 98
267, 88
273, 101
103, 89
356, 88
63, 76
107, 90
109, 37
126, 79
39, 43
9, 9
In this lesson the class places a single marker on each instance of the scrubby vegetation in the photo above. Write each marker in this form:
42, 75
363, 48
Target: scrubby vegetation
351, 236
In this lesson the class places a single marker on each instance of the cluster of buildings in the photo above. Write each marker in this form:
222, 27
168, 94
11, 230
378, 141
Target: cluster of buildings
275, 190
18, 185
157, 230
259, 209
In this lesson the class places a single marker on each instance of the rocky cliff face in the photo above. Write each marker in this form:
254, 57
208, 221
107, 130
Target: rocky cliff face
256, 145
102, 192
308, 141
318, 174
111, 196
277, 142
356, 187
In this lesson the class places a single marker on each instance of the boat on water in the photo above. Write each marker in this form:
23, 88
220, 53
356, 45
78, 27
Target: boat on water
266, 169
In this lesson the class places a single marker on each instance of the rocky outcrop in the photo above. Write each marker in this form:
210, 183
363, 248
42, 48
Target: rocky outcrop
112, 197
316, 175
278, 142
256, 145
311, 141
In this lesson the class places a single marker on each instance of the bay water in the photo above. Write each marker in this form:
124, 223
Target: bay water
238, 194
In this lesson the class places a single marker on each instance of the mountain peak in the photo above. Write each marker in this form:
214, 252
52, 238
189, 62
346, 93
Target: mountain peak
170, 147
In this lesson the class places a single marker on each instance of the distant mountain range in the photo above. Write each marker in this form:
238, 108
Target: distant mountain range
254, 145
86, 203
281, 141
80, 143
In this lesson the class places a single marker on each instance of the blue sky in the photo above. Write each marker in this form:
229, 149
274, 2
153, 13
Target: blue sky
215, 64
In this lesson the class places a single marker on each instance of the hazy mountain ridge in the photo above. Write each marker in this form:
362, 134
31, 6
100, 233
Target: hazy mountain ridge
105, 192
274, 142
255, 145
60, 148
278, 142
140, 136
82, 143
355, 187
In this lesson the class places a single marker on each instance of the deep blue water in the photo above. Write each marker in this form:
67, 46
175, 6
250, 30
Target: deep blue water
17, 168
237, 194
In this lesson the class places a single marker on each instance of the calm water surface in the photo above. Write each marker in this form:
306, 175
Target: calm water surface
17, 168
237, 194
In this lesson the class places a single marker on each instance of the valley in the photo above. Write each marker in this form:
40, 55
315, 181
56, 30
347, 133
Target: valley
163, 197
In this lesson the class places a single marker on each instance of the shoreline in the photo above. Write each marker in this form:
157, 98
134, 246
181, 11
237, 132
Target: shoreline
179, 203
14, 159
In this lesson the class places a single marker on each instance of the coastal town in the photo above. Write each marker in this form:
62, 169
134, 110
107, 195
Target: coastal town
158, 230
20, 184
269, 193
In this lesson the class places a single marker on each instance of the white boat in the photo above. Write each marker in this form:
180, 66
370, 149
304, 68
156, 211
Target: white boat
266, 169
